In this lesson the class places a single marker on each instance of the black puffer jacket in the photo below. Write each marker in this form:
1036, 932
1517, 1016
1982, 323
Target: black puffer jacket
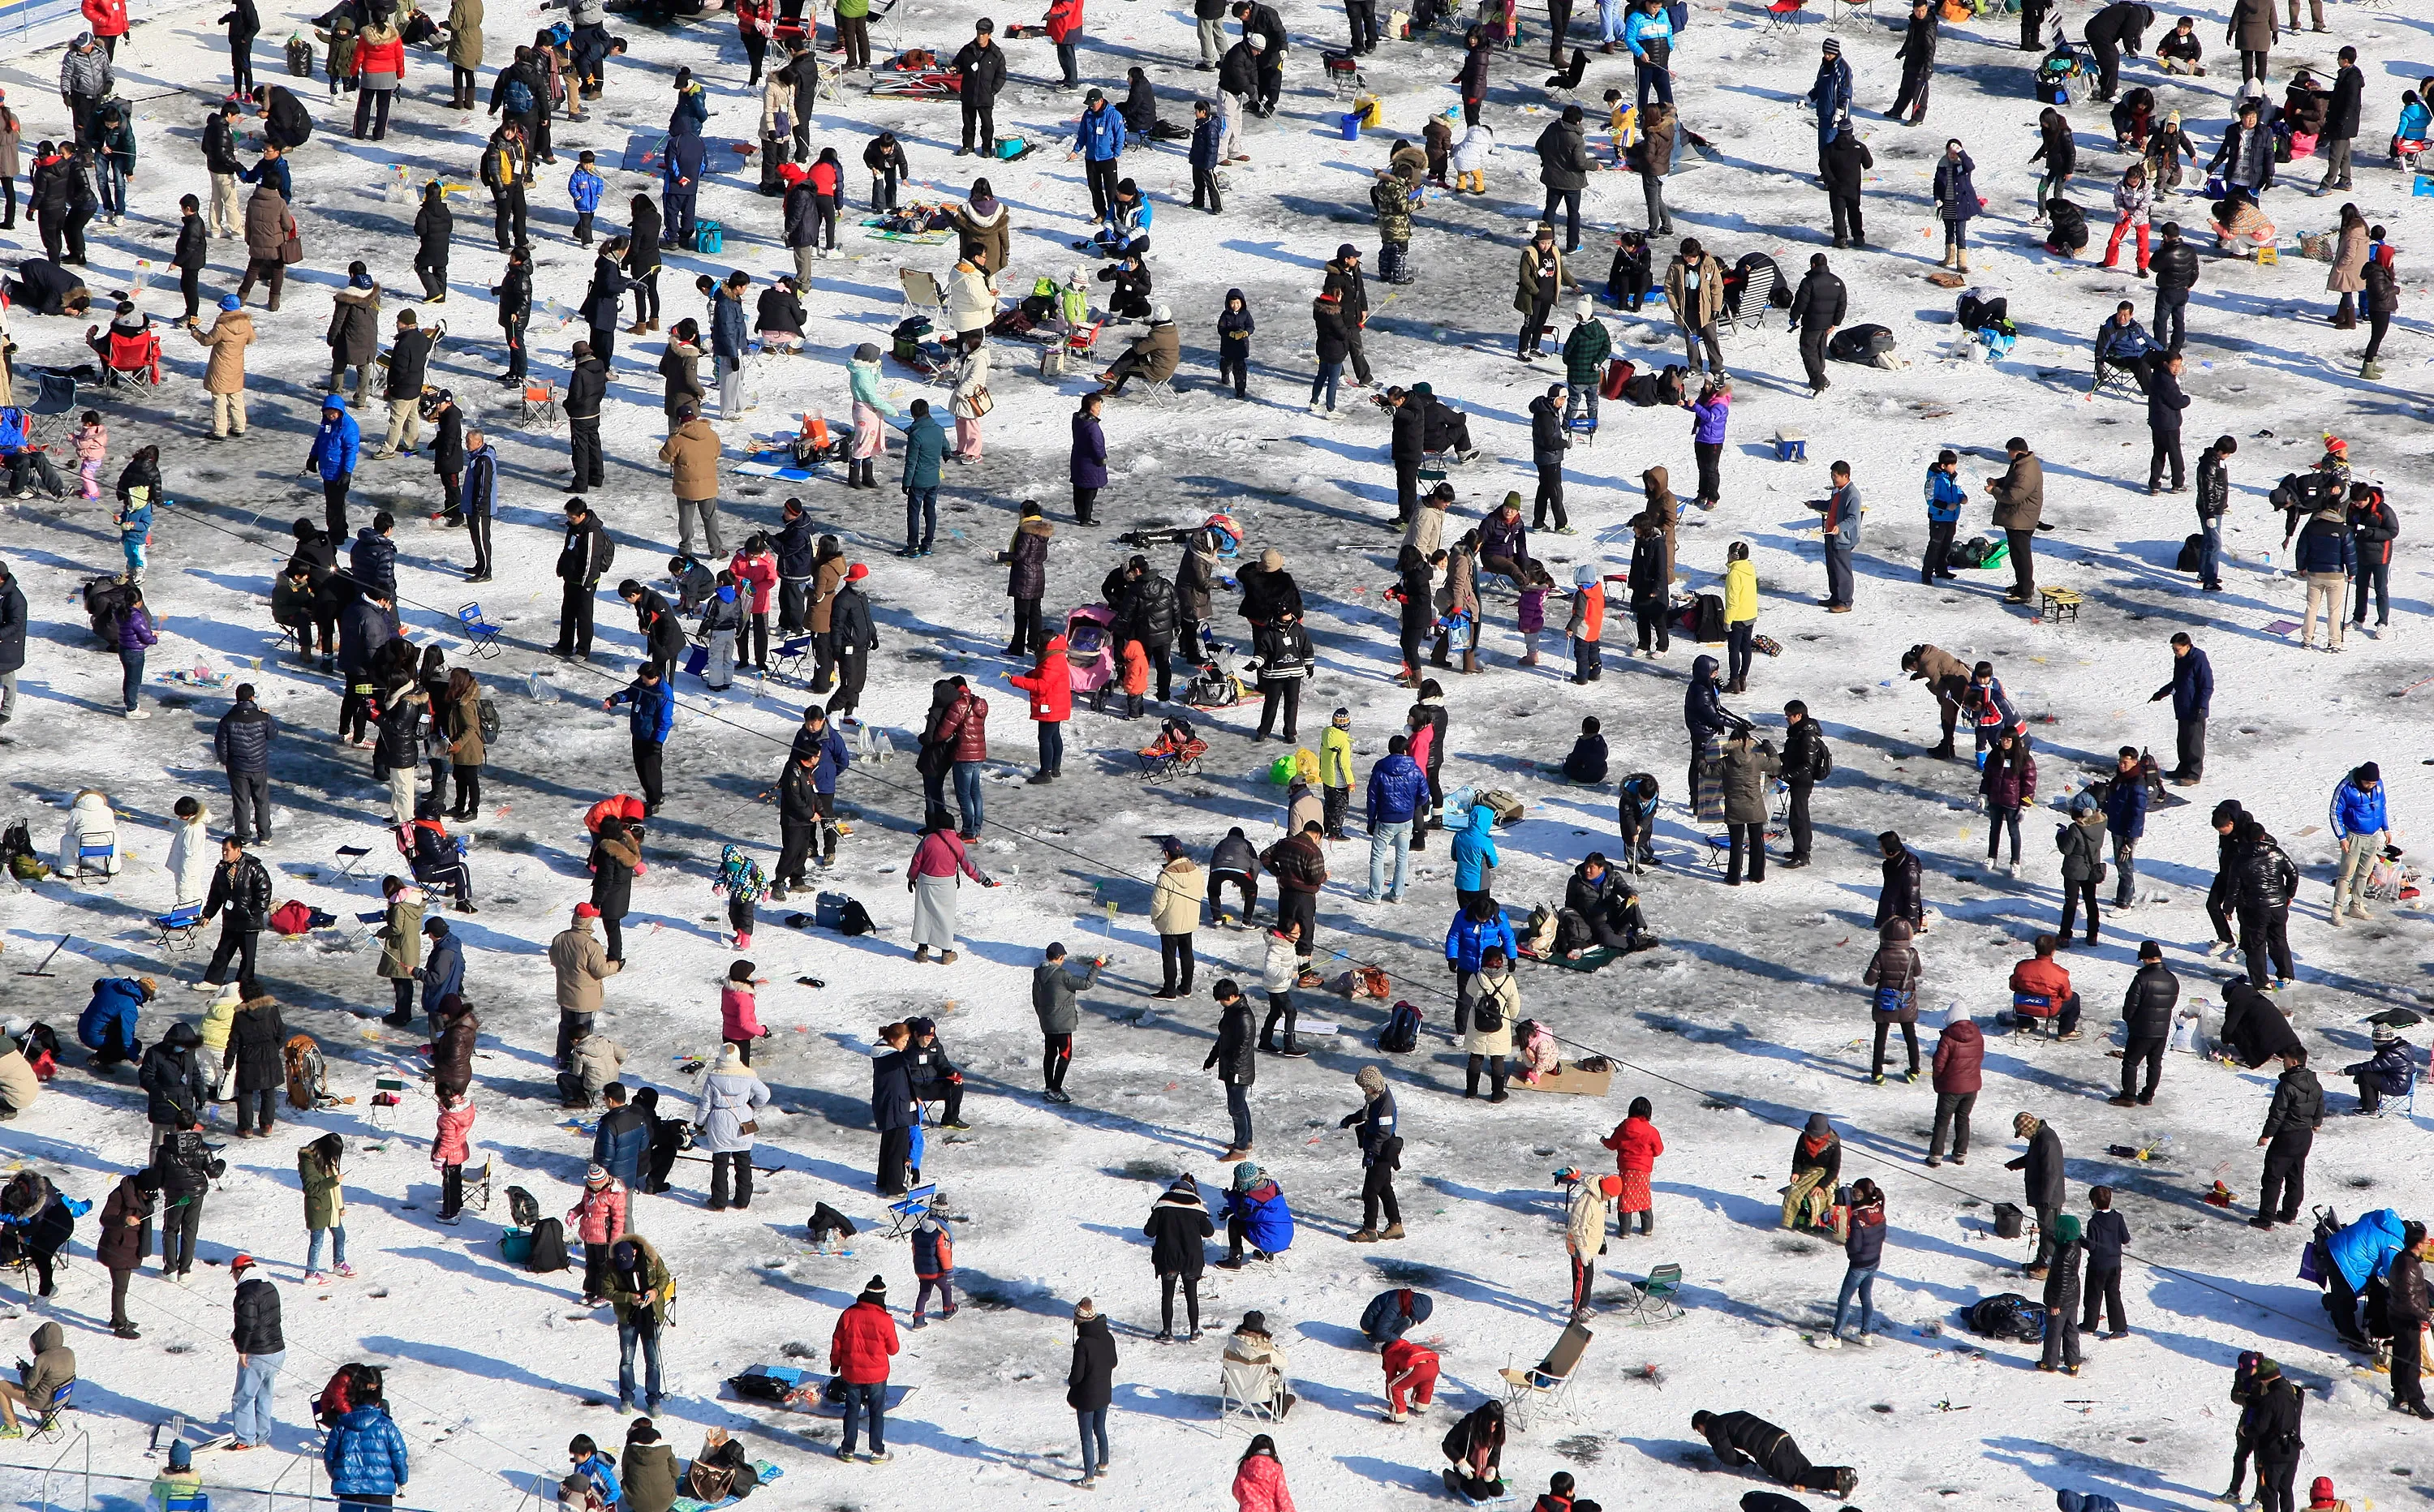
172, 1080
2175, 268
2147, 1007
1235, 1056
243, 889
1149, 613
2297, 1109
256, 1037
2266, 878
257, 1318
1900, 898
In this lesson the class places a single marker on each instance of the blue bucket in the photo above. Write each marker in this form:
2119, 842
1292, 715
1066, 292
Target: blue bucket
1352, 126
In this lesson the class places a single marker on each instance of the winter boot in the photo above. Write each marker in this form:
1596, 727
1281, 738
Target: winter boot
1469, 662
1530, 661
1362, 1237
743, 939
1393, 1231
2372, 372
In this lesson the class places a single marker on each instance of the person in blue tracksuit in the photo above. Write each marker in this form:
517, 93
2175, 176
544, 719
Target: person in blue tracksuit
1944, 497
336, 446
1099, 142
653, 716
1831, 96
2125, 820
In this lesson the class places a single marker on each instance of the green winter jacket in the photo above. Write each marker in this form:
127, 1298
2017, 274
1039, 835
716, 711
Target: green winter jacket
925, 450
324, 1207
1585, 351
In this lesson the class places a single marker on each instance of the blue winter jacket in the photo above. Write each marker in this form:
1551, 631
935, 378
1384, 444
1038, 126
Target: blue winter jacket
1267, 1223
2391, 1068
728, 329
2125, 806
2325, 546
1944, 497
601, 1471
1100, 138
116, 1000
1831, 94
2364, 1249
1469, 938
337, 443
835, 758
1205, 135
2357, 811
655, 709
1474, 852
1642, 29
585, 187
2192, 686
1396, 785
444, 972
365, 1454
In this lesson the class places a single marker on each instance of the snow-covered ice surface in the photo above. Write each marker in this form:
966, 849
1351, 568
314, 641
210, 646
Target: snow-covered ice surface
1749, 1018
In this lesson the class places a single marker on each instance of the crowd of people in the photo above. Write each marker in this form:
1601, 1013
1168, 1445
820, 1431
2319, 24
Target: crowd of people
796, 592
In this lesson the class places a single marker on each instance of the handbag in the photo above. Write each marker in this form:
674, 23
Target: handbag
979, 402
291, 250
750, 1126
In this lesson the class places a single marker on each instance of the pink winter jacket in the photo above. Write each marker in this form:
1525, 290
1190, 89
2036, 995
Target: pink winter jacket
600, 1217
452, 1144
1260, 1486
738, 1016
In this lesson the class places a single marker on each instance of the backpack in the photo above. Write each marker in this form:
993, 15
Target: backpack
519, 95
303, 1060
2009, 1316
300, 57
1571, 932
548, 1246
853, 919
1977, 314
2192, 552
1825, 764
523, 1210
1402, 1035
1484, 1015
1709, 629
608, 552
487, 715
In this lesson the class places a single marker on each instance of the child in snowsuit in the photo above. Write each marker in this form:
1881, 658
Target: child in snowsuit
585, 187
933, 1264
92, 440
1234, 327
1531, 612
741, 879
1470, 160
1136, 678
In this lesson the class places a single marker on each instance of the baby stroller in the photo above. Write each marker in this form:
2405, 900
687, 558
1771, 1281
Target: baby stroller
1091, 647
1176, 753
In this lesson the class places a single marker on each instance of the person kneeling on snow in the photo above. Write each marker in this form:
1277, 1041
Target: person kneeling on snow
1739, 1438
1256, 1210
1392, 1314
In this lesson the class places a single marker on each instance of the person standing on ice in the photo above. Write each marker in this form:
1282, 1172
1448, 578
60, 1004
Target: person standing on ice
1381, 1155
2042, 1168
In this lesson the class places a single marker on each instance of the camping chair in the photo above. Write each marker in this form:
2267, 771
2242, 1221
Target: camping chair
444, 881
1783, 15
540, 409
1838, 11
908, 1212
2117, 378
922, 295
1547, 1386
46, 1427
132, 359
1757, 294
1657, 1299
1249, 1393
178, 926
787, 660
353, 858
195, 1502
478, 629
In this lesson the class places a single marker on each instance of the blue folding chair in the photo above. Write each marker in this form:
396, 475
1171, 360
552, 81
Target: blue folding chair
46, 1428
179, 925
478, 630
97, 856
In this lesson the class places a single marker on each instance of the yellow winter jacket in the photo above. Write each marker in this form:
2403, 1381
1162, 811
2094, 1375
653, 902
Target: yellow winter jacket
1741, 592
1335, 757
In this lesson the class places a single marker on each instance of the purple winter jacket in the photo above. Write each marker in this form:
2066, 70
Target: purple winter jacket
136, 631
1090, 453
1708, 426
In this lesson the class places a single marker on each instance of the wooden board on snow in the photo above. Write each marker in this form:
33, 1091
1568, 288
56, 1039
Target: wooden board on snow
1569, 1078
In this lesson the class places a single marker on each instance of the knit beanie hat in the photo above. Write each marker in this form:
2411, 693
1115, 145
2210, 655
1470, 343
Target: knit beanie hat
594, 1174
875, 1291
1246, 1175
2369, 772
2066, 1228
1085, 1310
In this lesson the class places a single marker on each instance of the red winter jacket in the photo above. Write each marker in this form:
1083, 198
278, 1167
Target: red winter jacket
824, 178
109, 17
1051, 685
1402, 1354
966, 728
1635, 1144
1260, 1485
1064, 19
600, 1217
1960, 1050
376, 58
864, 1338
760, 573
453, 1145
